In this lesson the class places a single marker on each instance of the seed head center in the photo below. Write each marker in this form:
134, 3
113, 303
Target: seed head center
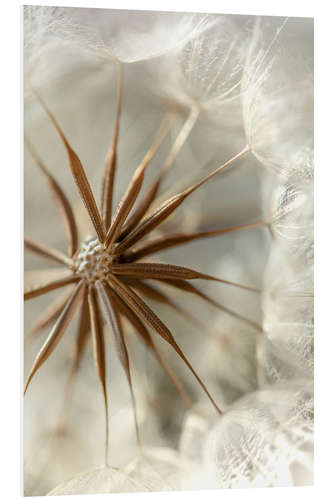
93, 261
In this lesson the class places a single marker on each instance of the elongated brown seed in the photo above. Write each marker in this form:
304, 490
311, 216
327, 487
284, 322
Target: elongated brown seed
61, 200
31, 293
149, 317
57, 331
79, 177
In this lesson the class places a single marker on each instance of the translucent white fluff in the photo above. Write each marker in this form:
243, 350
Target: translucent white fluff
128, 37
194, 430
162, 469
99, 480
231, 355
292, 209
286, 351
208, 68
262, 437
278, 91
154, 469
41, 46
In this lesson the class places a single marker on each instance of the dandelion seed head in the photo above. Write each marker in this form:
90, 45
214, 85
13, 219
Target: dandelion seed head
277, 94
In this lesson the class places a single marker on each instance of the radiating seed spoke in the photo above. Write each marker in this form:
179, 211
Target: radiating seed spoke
140, 211
153, 293
41, 276
82, 334
61, 201
79, 177
188, 287
48, 287
46, 251
172, 240
111, 160
57, 331
79, 347
46, 317
99, 355
112, 318
167, 271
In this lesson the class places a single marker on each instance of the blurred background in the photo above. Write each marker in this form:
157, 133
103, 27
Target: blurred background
70, 64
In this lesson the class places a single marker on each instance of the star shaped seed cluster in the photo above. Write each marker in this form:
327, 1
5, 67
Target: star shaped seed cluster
108, 274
